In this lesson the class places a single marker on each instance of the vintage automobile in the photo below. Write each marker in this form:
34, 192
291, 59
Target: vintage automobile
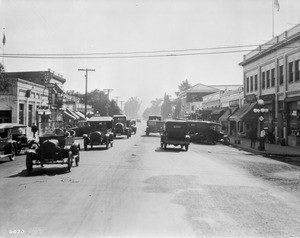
120, 126
133, 126
100, 132
56, 146
175, 133
8, 146
207, 132
17, 133
155, 124
82, 127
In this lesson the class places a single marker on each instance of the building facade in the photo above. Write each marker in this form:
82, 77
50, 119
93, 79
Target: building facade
272, 73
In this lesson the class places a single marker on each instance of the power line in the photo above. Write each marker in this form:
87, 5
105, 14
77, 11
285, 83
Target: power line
141, 54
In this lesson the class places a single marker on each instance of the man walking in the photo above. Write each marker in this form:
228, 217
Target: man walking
34, 129
253, 137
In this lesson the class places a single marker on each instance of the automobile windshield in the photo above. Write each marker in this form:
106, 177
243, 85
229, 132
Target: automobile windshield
52, 128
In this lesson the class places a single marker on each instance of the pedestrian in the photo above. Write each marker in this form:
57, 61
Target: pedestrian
253, 137
262, 139
34, 129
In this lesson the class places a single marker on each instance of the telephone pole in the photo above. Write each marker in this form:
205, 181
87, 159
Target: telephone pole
86, 79
108, 91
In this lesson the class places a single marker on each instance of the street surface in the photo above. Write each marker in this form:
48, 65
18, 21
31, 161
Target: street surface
136, 189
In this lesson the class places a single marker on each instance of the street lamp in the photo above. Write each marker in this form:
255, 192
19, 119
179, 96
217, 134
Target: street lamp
260, 111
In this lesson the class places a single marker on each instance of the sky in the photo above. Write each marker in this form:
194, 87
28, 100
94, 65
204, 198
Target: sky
140, 48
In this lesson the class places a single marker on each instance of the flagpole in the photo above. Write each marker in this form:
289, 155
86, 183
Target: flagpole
272, 18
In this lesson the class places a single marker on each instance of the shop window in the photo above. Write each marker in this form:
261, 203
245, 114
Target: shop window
291, 73
247, 86
272, 77
251, 84
263, 82
297, 71
21, 113
281, 77
268, 78
255, 82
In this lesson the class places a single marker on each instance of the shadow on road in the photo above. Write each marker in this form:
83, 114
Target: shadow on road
38, 171
172, 149
157, 135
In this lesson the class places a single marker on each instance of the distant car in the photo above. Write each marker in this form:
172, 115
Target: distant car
155, 124
100, 132
175, 133
56, 146
207, 132
120, 126
81, 128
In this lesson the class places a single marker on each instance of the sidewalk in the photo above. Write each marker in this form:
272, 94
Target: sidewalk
271, 150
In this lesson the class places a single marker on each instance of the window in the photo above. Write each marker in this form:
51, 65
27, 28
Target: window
251, 84
291, 74
297, 71
247, 85
263, 82
255, 82
272, 77
21, 113
281, 75
268, 78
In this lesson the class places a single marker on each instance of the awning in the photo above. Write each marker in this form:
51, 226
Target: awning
228, 113
217, 112
72, 113
69, 115
80, 115
245, 113
58, 88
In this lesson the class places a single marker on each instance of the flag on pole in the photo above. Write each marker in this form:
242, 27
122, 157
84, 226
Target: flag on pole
4, 39
276, 5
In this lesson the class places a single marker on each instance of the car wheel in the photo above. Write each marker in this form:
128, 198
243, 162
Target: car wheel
34, 146
13, 153
107, 143
186, 147
85, 145
70, 160
165, 146
29, 163
77, 158
210, 140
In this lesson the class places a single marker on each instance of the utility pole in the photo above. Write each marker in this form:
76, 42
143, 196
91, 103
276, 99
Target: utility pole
121, 106
108, 91
86, 79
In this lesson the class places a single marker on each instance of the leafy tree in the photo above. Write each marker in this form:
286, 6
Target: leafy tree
99, 101
131, 107
166, 108
177, 110
113, 108
155, 108
185, 85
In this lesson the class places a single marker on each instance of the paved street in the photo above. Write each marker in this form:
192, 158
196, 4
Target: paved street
136, 189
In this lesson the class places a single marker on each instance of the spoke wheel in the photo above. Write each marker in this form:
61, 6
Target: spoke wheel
29, 164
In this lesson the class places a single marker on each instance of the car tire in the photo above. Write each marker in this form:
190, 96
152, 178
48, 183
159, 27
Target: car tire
29, 163
69, 161
186, 147
85, 145
13, 153
165, 146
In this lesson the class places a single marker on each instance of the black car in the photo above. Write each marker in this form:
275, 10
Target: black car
175, 133
206, 132
55, 147
100, 132
120, 126
155, 124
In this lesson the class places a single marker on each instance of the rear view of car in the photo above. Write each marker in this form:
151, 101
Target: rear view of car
155, 124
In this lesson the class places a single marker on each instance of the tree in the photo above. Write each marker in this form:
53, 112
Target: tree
177, 110
131, 107
185, 85
155, 108
113, 108
166, 107
99, 101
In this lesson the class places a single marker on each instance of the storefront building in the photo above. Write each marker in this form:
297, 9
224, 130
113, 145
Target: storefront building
272, 73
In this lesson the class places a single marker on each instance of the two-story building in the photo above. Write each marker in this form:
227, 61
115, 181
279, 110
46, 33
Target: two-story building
272, 73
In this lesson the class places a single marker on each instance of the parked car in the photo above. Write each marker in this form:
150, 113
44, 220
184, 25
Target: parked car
56, 146
82, 127
175, 133
100, 132
207, 132
120, 126
8, 146
155, 124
